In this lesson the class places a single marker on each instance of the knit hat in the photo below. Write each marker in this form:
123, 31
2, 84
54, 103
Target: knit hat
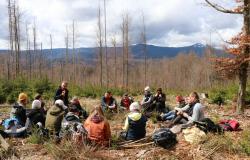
61, 103
36, 104
135, 106
22, 96
147, 88
179, 98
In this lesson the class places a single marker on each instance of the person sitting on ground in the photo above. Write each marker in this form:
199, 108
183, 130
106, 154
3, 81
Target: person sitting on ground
194, 111
109, 103
98, 127
135, 123
70, 123
18, 110
40, 98
54, 117
126, 101
159, 101
62, 93
75, 106
36, 115
172, 114
147, 100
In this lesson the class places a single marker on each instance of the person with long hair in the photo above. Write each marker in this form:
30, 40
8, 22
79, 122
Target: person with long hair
98, 127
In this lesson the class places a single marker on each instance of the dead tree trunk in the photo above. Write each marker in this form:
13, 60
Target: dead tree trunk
100, 45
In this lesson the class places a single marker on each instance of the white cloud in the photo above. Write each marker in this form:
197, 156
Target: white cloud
168, 22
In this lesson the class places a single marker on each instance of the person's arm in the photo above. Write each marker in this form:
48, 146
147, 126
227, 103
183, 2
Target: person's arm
58, 94
126, 125
103, 102
197, 111
149, 100
182, 109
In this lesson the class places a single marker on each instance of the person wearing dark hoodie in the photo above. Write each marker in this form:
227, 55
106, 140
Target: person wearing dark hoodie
62, 93
54, 117
135, 123
108, 102
36, 115
98, 127
75, 106
18, 110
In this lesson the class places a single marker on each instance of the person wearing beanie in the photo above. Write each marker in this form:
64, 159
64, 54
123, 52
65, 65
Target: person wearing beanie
54, 117
135, 123
172, 114
18, 110
62, 93
147, 100
36, 115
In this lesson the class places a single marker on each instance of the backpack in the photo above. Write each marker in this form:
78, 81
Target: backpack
207, 125
229, 125
165, 138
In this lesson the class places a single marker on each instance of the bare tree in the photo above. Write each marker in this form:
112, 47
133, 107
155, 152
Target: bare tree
51, 55
113, 40
105, 40
73, 49
125, 42
144, 48
100, 44
34, 43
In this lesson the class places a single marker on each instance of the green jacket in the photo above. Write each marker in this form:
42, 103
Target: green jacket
54, 119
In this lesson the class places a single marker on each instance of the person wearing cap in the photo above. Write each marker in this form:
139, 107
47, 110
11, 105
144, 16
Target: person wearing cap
76, 107
159, 101
36, 115
54, 117
126, 101
62, 93
135, 123
108, 102
147, 100
18, 110
98, 127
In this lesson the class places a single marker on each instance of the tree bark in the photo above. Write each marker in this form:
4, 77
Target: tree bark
242, 75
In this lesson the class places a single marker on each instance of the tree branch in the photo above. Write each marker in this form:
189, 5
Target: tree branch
222, 9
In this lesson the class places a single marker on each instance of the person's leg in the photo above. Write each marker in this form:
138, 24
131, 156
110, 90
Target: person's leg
164, 116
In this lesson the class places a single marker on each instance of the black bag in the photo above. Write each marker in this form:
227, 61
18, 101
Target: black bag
207, 125
165, 138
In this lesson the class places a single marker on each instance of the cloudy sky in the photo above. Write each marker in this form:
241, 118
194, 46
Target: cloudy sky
168, 22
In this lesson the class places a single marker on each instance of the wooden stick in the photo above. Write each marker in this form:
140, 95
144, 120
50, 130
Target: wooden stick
138, 145
136, 141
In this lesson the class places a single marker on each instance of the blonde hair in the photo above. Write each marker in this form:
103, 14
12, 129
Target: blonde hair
97, 111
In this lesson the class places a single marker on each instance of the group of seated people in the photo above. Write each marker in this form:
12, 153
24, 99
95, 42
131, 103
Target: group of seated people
97, 127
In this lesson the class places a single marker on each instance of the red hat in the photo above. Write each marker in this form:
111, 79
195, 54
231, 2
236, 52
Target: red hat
179, 98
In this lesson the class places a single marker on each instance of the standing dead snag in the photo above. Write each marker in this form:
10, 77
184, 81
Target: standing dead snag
237, 63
